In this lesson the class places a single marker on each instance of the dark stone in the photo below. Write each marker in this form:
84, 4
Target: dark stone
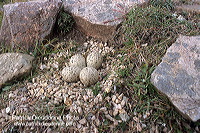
25, 23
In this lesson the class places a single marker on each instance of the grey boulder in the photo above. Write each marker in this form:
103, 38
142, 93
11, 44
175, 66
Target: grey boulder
178, 76
189, 8
99, 18
14, 65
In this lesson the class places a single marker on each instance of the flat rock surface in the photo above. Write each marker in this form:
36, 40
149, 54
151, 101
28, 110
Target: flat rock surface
99, 18
101, 12
191, 8
24, 23
13, 65
178, 76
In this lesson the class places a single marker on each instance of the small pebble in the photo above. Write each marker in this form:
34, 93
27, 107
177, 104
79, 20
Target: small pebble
82, 121
115, 112
80, 111
124, 117
114, 98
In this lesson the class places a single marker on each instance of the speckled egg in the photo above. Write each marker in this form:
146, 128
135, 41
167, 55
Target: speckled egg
94, 59
71, 74
89, 76
78, 61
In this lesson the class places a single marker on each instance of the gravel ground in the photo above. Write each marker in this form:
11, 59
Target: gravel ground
47, 103
86, 108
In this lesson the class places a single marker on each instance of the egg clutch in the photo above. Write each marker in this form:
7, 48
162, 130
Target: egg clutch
83, 69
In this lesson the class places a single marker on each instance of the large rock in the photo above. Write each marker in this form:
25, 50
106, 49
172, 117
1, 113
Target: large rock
26, 22
178, 76
190, 8
14, 65
99, 18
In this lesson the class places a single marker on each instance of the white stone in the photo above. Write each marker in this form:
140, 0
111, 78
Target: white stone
93, 117
181, 18
118, 106
117, 101
7, 110
79, 126
42, 66
96, 100
11, 95
56, 89
124, 117
82, 121
85, 98
54, 65
107, 89
120, 96
110, 118
115, 112
123, 103
103, 109
114, 98
80, 111
99, 97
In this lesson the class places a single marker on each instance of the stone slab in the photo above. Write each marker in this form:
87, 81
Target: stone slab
178, 76
190, 8
14, 65
99, 18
